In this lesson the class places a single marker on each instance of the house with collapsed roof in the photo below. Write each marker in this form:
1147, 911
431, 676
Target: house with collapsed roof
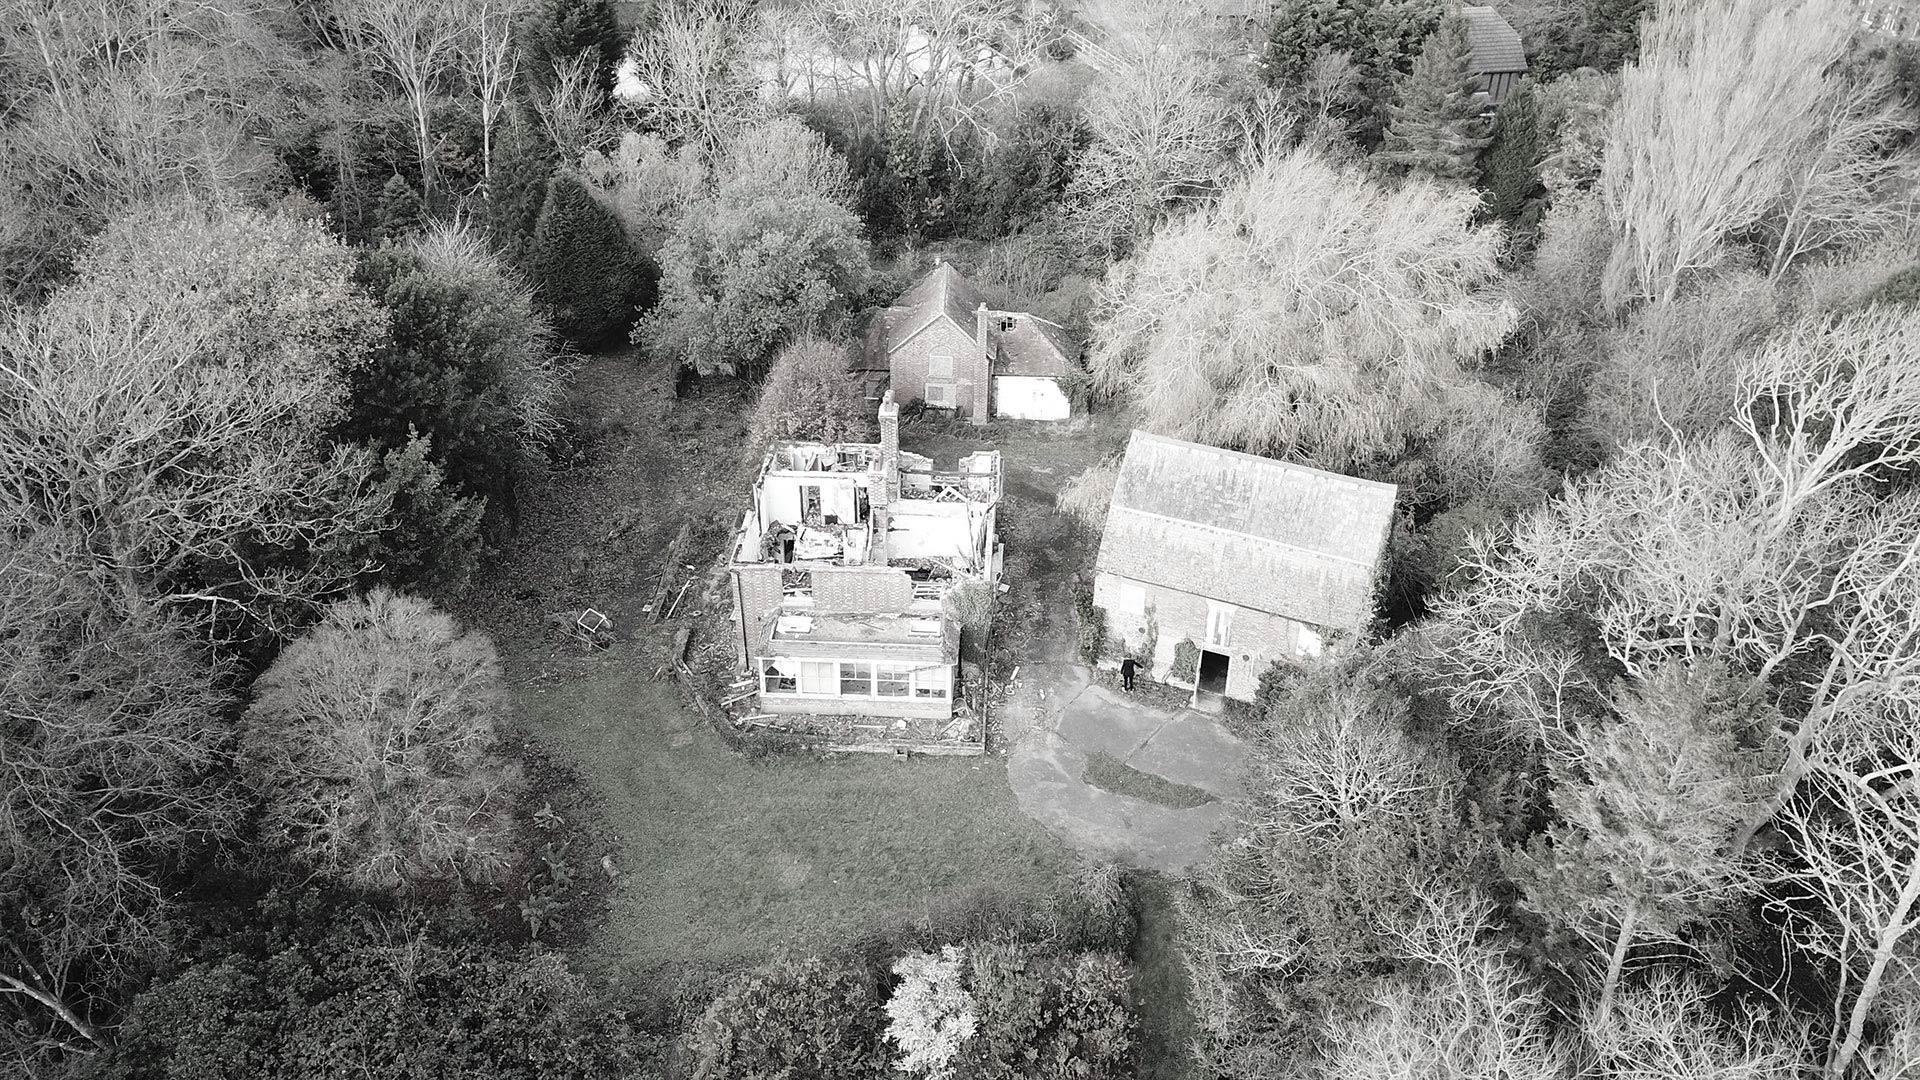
940, 344
841, 569
1214, 564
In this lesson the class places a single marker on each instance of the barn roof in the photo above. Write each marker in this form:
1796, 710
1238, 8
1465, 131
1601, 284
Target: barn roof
1496, 45
1248, 531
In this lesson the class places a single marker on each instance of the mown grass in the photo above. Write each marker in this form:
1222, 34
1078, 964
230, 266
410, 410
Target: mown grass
727, 859
1109, 773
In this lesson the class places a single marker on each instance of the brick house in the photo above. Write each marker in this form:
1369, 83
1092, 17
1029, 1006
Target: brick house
841, 569
941, 344
1214, 564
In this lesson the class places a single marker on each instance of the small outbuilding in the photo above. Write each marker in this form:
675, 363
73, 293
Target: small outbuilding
1498, 57
1214, 564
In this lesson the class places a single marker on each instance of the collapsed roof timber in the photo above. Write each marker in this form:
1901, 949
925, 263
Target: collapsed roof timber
843, 564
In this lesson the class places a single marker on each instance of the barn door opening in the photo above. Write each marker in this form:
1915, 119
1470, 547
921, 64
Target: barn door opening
1213, 673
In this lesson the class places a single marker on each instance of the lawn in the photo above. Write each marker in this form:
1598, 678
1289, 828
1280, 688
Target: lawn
727, 859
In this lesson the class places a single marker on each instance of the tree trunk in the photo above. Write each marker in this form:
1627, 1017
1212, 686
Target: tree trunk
1843, 1054
10, 984
1622, 942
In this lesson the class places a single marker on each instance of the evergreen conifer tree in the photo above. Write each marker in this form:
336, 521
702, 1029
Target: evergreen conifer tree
1437, 126
1510, 172
559, 30
583, 266
401, 210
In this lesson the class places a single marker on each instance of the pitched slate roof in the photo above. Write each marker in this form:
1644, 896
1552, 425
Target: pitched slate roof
1248, 531
944, 291
1496, 45
1035, 346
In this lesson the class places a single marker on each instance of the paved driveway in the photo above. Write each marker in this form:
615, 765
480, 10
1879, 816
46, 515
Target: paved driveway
1057, 717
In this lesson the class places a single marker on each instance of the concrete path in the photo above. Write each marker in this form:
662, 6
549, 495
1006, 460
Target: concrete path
1058, 717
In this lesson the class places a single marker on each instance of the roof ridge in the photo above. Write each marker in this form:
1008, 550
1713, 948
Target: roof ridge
1263, 459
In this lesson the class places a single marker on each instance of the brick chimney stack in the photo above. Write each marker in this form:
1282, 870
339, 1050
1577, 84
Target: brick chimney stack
983, 364
890, 444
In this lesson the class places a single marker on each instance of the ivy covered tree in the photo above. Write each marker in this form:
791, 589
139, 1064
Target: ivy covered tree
1436, 125
810, 394
583, 267
773, 254
1380, 37
470, 364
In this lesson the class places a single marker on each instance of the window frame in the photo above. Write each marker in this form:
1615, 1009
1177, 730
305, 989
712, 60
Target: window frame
934, 374
865, 670
1219, 625
767, 668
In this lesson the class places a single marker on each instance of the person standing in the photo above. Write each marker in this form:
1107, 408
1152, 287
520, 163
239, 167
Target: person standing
1126, 673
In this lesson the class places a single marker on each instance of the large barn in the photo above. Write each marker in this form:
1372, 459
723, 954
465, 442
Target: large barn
1214, 564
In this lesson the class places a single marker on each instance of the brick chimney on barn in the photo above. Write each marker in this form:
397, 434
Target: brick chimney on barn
982, 365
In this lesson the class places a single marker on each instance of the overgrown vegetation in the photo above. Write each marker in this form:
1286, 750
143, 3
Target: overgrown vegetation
1620, 786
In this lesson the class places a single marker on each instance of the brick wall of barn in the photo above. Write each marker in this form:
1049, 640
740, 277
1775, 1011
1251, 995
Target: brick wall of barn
1255, 640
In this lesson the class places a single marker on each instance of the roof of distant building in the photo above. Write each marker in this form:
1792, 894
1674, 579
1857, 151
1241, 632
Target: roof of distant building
1030, 345
1496, 45
1246, 530
944, 290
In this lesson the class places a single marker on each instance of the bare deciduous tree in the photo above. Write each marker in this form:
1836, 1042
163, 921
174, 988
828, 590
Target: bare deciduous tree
1740, 115
693, 67
112, 742
569, 107
183, 101
1665, 1027
1308, 312
1856, 832
375, 739
1160, 127
418, 45
945, 63
1468, 1010
493, 64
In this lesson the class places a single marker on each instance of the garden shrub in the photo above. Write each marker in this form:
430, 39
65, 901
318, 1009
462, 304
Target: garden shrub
931, 1012
1902, 289
811, 1018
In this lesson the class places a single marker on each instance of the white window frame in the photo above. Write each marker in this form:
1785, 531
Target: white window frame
1219, 625
934, 362
819, 678
1129, 598
900, 675
938, 686
771, 668
863, 667
915, 682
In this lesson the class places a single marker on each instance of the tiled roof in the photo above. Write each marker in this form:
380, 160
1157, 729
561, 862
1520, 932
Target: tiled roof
943, 291
1248, 531
1496, 45
1033, 347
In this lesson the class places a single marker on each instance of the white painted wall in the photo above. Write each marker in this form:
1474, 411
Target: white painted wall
1027, 397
